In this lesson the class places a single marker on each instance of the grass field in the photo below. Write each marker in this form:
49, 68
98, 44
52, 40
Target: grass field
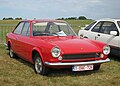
9, 21
17, 72
5, 27
77, 24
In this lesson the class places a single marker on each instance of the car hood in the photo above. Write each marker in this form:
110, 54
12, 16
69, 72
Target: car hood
72, 44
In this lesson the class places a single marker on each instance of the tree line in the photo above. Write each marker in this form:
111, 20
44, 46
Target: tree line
10, 18
74, 18
69, 18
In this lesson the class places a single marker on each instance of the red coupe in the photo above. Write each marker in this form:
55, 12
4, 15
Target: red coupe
53, 44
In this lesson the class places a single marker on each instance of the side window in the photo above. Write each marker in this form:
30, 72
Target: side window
97, 27
19, 28
89, 26
26, 29
107, 27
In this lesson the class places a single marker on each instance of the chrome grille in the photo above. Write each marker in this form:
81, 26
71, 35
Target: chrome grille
80, 56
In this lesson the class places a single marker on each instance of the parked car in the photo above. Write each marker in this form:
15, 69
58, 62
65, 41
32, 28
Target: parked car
104, 30
53, 44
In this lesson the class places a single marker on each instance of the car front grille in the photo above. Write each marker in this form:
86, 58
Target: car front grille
80, 56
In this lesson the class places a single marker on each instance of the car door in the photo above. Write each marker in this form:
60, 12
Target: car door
118, 25
86, 33
93, 32
103, 34
25, 42
15, 38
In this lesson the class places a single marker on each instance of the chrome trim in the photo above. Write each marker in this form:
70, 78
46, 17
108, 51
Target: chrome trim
6, 46
77, 63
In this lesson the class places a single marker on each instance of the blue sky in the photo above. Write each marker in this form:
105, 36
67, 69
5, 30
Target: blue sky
52, 9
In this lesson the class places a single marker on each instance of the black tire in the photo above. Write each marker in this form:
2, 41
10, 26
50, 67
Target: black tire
11, 53
39, 66
96, 66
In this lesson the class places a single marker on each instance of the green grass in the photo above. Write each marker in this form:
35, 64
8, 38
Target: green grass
5, 27
77, 24
9, 21
17, 72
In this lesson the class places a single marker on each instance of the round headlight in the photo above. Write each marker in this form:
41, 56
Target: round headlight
106, 50
55, 52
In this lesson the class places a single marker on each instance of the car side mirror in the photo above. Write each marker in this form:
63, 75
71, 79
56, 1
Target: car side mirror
113, 33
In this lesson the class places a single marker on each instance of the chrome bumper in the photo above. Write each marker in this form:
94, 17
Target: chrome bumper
6, 46
77, 63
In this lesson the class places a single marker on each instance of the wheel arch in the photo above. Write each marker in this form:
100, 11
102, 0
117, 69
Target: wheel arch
85, 37
9, 44
36, 51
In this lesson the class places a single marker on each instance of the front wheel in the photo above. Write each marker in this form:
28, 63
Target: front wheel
39, 66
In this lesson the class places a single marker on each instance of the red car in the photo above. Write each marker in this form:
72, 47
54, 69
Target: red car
53, 44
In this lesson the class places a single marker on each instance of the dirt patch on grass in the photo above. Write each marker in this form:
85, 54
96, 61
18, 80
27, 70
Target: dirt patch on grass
0, 56
0, 41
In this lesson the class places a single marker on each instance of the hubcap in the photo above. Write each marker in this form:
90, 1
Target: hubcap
38, 65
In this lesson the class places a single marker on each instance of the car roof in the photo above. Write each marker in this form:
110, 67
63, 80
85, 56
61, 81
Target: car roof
108, 19
44, 20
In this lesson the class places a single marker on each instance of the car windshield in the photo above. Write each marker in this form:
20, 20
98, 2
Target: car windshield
118, 23
52, 29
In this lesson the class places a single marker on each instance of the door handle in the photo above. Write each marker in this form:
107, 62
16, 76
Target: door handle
98, 34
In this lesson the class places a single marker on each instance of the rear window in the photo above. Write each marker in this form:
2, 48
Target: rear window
118, 23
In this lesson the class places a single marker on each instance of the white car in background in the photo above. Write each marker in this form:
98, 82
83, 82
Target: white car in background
104, 30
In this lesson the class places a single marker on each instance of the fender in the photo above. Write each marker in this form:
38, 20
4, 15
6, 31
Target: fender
9, 41
39, 51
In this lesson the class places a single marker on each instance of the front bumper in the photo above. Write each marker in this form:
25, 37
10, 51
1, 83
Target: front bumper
77, 63
6, 46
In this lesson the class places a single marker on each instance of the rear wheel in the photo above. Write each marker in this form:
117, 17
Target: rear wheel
97, 67
39, 66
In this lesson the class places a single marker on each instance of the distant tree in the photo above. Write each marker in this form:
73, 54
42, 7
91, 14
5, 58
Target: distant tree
10, 18
3, 18
73, 18
66, 18
82, 18
60, 18
18, 18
